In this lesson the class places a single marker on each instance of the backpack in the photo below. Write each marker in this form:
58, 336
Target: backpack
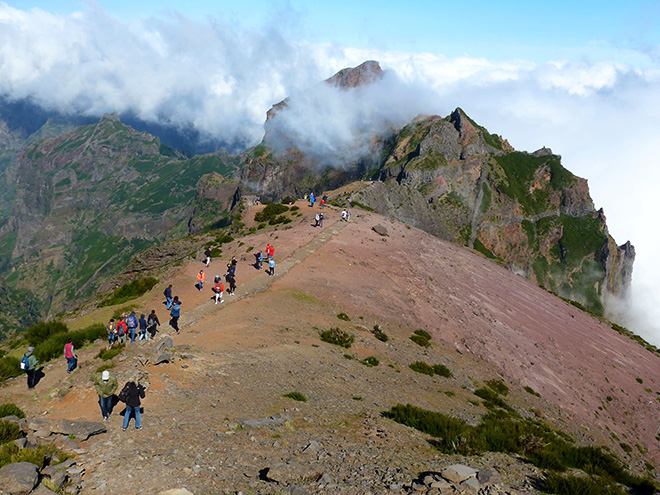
25, 362
123, 395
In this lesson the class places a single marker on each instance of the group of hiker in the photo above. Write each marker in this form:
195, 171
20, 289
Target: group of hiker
128, 326
131, 393
270, 257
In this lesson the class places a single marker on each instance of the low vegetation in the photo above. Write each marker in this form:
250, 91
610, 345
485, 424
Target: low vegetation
273, 214
296, 396
338, 337
427, 369
54, 346
10, 409
370, 361
421, 338
130, 291
379, 334
108, 354
344, 317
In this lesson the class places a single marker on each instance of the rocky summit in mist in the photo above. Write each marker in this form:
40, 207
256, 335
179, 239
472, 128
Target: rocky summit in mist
77, 203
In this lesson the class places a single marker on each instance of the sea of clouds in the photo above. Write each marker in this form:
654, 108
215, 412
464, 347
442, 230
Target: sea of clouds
220, 80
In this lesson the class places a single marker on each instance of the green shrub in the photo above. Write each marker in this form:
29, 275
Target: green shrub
370, 361
422, 367
39, 456
9, 431
423, 333
129, 291
296, 396
343, 316
639, 380
337, 337
42, 331
271, 212
578, 485
106, 366
54, 346
108, 354
9, 367
420, 340
498, 386
530, 390
379, 334
442, 370
10, 409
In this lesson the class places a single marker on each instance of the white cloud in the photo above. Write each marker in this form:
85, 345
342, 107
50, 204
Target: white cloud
221, 79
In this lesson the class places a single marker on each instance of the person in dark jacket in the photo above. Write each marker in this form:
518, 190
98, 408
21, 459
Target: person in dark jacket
142, 323
175, 313
31, 368
152, 323
168, 296
135, 393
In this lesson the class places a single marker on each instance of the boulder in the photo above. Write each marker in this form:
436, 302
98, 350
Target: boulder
489, 476
164, 357
82, 430
165, 343
470, 486
380, 230
176, 491
18, 478
291, 472
458, 473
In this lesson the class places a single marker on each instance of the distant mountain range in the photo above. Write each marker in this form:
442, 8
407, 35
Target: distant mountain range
78, 201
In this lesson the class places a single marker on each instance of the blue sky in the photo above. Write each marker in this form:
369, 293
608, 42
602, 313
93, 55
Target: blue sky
497, 30
581, 77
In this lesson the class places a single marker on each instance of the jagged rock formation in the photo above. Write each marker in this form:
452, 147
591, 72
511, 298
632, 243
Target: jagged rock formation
452, 178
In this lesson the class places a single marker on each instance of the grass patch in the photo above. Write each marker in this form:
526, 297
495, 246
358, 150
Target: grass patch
530, 390
106, 366
9, 367
337, 337
379, 334
53, 346
343, 316
370, 361
296, 396
272, 214
364, 207
130, 291
533, 440
442, 370
10, 409
40, 456
498, 386
420, 340
108, 354
9, 431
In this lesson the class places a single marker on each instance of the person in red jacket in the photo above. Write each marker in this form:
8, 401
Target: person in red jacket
122, 329
219, 289
270, 251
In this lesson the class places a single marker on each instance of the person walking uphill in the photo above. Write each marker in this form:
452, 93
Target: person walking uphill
168, 296
106, 386
143, 327
135, 393
152, 323
175, 314
121, 330
207, 253
29, 363
70, 355
132, 324
201, 276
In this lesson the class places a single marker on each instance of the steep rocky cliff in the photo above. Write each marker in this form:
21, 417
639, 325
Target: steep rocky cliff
452, 178
88, 200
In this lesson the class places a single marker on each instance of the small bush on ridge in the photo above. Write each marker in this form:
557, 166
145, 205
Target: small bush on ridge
296, 396
337, 337
10, 409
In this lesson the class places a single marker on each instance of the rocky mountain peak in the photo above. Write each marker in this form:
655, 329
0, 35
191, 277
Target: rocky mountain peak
354, 77
112, 117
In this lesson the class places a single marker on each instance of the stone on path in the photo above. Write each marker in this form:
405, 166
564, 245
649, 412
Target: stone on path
165, 343
82, 430
164, 357
176, 491
458, 472
18, 478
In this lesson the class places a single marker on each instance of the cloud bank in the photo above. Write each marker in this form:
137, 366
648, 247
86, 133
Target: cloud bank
220, 80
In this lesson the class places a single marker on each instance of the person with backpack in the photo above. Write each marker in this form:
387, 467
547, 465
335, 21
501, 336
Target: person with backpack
105, 386
70, 355
29, 363
321, 220
259, 259
121, 330
135, 393
132, 324
316, 220
175, 313
232, 285
207, 253
168, 296
112, 331
152, 323
142, 323
218, 288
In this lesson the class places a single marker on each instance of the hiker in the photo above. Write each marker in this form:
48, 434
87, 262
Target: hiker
230, 270
135, 392
143, 328
232, 285
112, 331
168, 296
132, 324
218, 288
152, 323
321, 220
322, 203
259, 259
234, 264
343, 215
207, 253
348, 215
311, 200
201, 276
70, 355
270, 251
106, 386
316, 220
290, 200
175, 313
271, 266
121, 330
29, 363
